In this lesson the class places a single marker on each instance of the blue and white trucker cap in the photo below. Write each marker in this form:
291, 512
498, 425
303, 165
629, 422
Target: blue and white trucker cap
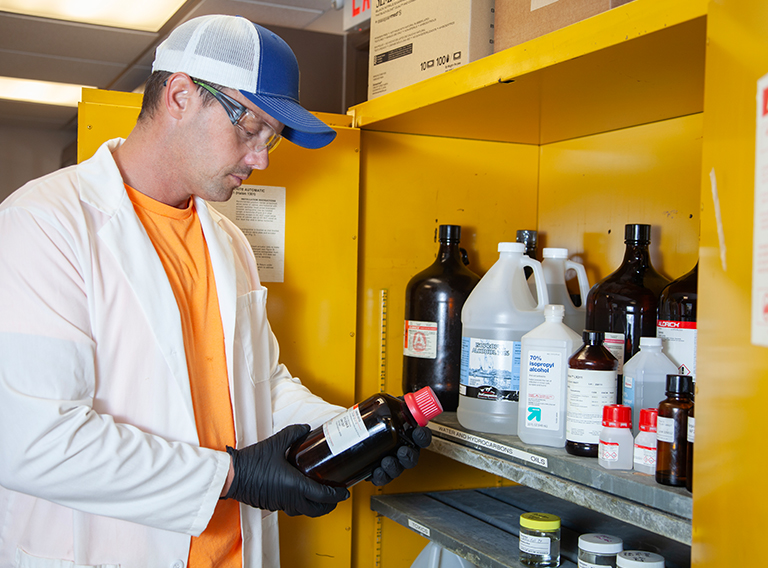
233, 52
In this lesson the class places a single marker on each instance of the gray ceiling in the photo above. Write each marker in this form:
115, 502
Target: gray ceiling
118, 59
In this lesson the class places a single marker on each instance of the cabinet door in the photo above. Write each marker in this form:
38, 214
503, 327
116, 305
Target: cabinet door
313, 310
732, 373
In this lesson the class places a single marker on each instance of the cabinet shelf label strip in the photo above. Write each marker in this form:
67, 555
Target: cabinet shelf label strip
490, 444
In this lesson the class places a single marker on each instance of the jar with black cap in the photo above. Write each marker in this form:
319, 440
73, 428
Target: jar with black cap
624, 303
434, 299
672, 431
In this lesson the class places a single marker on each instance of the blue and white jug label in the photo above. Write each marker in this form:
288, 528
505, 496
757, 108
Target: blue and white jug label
490, 369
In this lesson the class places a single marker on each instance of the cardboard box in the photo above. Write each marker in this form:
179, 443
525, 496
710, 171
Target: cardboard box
518, 21
412, 40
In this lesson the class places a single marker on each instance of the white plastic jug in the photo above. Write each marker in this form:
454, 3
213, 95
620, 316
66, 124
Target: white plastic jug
645, 378
554, 265
544, 379
496, 315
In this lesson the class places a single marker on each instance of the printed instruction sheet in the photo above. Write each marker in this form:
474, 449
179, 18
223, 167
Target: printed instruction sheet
259, 211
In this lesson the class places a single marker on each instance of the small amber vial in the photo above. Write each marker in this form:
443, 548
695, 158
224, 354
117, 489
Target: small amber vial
539, 539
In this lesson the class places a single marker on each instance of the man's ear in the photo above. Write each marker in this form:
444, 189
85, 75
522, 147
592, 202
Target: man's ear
179, 91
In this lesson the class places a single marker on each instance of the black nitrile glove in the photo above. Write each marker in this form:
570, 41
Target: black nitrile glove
407, 457
264, 478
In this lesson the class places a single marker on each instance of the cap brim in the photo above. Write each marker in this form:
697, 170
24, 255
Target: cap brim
301, 126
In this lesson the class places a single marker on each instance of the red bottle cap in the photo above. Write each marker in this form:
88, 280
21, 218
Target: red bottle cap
423, 405
648, 419
617, 416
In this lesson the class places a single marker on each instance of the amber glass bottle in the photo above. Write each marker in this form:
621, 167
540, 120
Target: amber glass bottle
530, 239
592, 384
624, 303
432, 338
689, 454
672, 431
676, 324
347, 449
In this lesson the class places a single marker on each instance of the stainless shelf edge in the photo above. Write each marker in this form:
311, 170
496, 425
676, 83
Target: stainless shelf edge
653, 520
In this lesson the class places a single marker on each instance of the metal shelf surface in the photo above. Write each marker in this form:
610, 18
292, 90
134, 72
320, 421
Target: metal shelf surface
482, 525
625, 495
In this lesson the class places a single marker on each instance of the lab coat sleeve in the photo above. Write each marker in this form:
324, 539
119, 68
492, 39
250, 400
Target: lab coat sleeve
54, 445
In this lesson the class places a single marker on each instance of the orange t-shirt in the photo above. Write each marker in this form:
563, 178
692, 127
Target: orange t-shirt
179, 241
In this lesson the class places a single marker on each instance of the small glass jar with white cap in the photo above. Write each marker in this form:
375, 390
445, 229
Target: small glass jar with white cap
539, 540
599, 550
639, 559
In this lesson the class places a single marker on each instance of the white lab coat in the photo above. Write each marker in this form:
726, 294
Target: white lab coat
99, 457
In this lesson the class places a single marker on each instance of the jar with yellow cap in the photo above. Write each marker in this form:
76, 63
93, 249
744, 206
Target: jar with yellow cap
539, 539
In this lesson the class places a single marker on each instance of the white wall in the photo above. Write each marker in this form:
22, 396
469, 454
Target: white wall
28, 153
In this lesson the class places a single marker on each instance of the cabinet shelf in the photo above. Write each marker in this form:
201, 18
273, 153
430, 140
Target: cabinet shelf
625, 495
482, 525
639, 63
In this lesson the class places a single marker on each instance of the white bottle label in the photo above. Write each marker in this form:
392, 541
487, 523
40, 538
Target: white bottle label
588, 392
608, 451
645, 455
420, 339
666, 430
614, 342
678, 341
544, 370
490, 369
691, 428
538, 545
585, 564
344, 431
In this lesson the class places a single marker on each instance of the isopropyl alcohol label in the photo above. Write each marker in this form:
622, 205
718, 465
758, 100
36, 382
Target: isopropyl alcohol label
678, 342
614, 342
538, 545
544, 370
420, 339
345, 430
666, 430
490, 369
588, 392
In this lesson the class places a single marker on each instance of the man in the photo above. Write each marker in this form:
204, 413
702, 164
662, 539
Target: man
135, 352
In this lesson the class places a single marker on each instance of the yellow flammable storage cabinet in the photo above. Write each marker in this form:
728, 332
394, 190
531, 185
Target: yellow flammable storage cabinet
642, 114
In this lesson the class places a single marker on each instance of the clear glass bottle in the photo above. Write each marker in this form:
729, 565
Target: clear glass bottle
432, 340
539, 540
347, 448
645, 442
676, 325
624, 303
672, 431
599, 550
592, 384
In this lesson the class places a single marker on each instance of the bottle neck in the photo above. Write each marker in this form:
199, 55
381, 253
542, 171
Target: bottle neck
637, 252
449, 249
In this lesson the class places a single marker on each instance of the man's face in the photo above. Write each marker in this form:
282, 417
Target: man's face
218, 158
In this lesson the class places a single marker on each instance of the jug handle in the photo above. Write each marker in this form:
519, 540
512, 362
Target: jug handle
541, 290
581, 275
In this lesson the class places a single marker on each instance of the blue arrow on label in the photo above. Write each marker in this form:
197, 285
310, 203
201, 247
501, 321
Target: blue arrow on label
535, 413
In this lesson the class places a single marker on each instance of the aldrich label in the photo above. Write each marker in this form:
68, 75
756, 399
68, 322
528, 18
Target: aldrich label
490, 369
678, 341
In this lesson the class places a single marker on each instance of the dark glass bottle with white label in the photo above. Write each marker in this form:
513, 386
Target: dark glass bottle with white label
676, 325
432, 335
624, 303
672, 431
592, 384
347, 448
